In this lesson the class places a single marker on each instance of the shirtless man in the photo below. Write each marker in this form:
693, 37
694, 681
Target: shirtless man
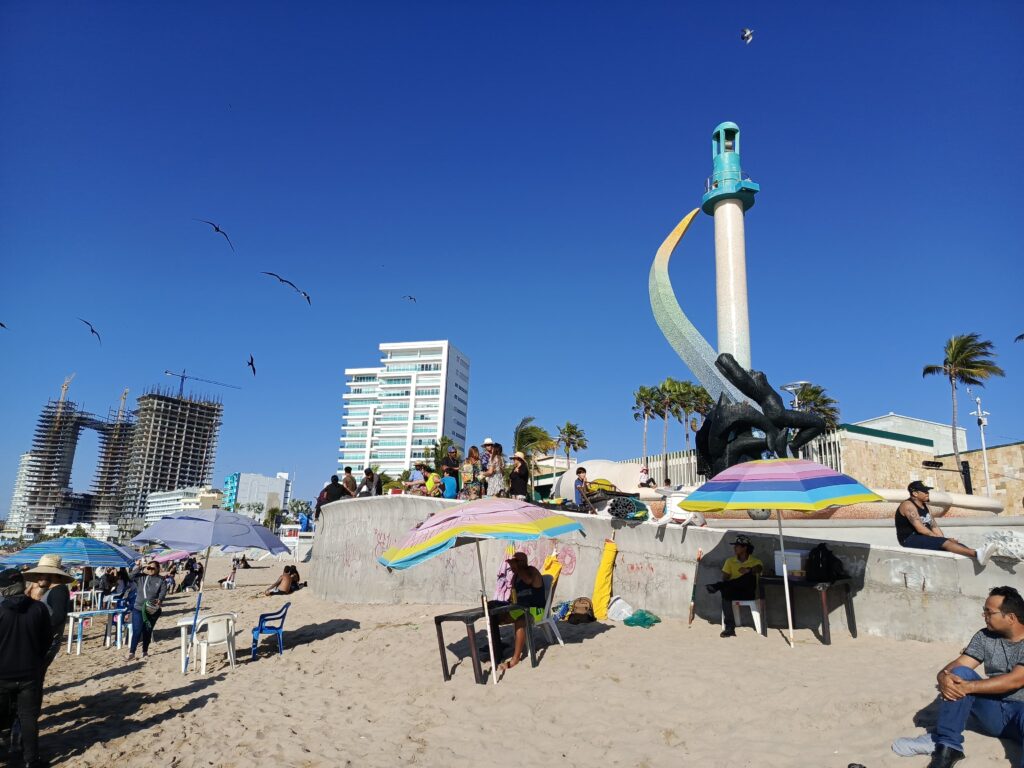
916, 529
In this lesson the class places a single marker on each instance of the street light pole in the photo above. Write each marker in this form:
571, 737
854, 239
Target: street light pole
794, 388
982, 423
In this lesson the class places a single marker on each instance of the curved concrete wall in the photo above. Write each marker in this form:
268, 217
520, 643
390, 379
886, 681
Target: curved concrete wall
899, 593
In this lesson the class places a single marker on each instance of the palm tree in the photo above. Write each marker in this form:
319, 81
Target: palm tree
668, 398
692, 399
440, 450
968, 360
572, 438
532, 440
813, 399
643, 410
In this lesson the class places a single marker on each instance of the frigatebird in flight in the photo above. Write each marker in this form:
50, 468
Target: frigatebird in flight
93, 331
219, 231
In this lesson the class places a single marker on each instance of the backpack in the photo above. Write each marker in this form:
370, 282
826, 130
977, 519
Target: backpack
322, 498
824, 566
581, 612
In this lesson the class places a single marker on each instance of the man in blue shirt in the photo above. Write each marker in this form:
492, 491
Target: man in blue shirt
416, 480
581, 488
451, 485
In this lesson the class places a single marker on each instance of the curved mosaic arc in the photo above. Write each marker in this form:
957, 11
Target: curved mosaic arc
684, 337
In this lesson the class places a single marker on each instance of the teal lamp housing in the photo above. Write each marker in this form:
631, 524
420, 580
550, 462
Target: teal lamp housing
727, 181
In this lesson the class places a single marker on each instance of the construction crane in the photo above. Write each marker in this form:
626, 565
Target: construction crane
183, 376
120, 409
63, 397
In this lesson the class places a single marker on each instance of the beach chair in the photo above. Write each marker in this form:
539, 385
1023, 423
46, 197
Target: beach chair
546, 621
229, 582
270, 624
119, 623
220, 630
755, 612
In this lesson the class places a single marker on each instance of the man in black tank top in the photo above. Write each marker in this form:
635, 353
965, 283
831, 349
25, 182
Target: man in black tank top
916, 529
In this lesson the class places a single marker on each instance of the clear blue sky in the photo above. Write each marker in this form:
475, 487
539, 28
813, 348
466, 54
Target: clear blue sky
515, 166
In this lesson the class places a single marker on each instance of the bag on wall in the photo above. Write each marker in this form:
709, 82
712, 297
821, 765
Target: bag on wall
824, 566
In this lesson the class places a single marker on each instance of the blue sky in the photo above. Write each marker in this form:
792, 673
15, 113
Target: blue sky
515, 166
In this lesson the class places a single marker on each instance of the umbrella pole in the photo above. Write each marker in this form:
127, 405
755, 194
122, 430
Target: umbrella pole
487, 613
195, 616
785, 577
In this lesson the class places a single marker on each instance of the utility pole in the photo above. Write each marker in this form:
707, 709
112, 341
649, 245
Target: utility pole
982, 423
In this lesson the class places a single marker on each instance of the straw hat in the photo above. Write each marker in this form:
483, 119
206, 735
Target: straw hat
520, 455
49, 565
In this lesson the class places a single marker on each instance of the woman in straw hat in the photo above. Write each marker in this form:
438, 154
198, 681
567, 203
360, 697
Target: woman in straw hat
48, 583
519, 480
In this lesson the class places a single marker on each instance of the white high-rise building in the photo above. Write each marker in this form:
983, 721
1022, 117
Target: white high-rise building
18, 515
162, 503
394, 413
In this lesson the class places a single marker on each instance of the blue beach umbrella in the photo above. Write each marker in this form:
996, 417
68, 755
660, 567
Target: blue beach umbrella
200, 529
76, 550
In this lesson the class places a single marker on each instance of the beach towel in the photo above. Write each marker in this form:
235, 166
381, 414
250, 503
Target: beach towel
603, 580
642, 618
503, 589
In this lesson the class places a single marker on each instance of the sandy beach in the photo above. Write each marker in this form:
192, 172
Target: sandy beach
361, 685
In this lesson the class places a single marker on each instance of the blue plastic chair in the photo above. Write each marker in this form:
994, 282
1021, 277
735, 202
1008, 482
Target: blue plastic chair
270, 624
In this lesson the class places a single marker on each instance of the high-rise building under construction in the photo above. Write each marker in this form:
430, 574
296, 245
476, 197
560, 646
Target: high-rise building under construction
168, 442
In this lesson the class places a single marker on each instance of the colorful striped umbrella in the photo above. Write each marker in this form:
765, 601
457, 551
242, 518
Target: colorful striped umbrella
778, 484
470, 522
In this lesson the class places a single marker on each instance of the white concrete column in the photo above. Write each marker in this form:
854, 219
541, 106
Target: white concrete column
731, 281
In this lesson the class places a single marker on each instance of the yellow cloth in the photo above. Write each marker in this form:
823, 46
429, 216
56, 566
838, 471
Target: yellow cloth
732, 566
603, 580
552, 567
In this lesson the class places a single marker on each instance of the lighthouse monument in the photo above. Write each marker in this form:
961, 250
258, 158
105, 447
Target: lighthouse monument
727, 197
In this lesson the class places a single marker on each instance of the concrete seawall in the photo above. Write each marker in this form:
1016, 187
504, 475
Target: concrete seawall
898, 593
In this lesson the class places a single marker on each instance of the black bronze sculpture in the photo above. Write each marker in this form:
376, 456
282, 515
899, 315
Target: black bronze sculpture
736, 432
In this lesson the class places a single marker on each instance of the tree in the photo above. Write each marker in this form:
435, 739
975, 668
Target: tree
644, 407
692, 399
440, 450
532, 440
813, 399
669, 394
79, 532
298, 507
254, 508
968, 360
271, 518
571, 438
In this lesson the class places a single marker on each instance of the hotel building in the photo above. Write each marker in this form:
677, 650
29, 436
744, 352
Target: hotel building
395, 412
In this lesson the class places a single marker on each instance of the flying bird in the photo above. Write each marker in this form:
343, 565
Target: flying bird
3, 326
219, 231
93, 331
747, 35
410, 298
252, 364
293, 286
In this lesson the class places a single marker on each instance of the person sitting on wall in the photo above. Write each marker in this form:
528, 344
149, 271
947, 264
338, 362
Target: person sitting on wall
916, 529
995, 701
580, 490
450, 484
529, 593
417, 479
740, 583
645, 478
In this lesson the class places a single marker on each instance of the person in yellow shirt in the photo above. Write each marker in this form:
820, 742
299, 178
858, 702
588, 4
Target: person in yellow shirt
740, 583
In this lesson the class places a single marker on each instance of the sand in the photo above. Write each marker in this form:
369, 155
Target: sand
361, 685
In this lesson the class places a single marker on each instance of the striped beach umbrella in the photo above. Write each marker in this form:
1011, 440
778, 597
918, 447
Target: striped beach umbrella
470, 523
76, 550
778, 484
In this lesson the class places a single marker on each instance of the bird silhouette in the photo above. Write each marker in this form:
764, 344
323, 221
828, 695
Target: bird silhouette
252, 364
93, 331
219, 231
293, 286
3, 326
410, 298
747, 35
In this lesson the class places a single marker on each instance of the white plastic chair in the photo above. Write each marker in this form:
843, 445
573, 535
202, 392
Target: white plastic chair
220, 630
755, 612
229, 582
547, 621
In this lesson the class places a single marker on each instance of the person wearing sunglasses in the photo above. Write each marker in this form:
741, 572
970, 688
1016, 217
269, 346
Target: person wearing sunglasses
995, 702
150, 591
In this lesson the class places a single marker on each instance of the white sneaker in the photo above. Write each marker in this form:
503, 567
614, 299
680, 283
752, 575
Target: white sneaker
908, 746
986, 552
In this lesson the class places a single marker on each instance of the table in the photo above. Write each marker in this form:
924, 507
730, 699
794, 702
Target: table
823, 587
469, 617
80, 618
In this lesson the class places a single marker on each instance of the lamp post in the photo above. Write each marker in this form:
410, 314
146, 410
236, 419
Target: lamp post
982, 423
794, 388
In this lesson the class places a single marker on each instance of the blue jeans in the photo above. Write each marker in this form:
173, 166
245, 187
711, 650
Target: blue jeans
140, 631
994, 717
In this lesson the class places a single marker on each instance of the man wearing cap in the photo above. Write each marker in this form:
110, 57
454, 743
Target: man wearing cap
417, 478
916, 529
24, 639
48, 583
451, 461
740, 583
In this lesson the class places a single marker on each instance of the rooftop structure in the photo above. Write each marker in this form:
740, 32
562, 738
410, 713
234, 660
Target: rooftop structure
244, 488
162, 503
394, 413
